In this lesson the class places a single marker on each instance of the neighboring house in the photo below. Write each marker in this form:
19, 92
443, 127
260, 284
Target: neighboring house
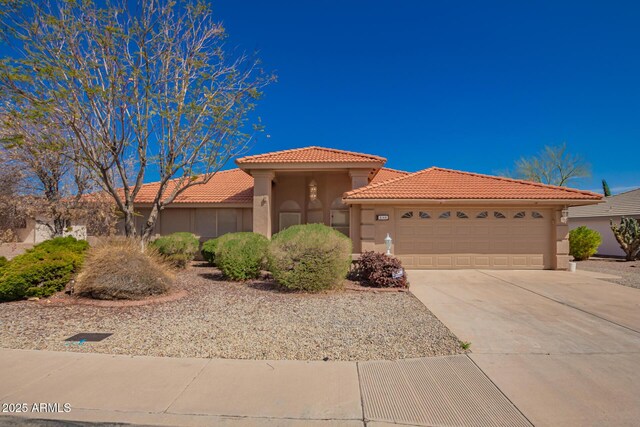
598, 217
40, 229
437, 218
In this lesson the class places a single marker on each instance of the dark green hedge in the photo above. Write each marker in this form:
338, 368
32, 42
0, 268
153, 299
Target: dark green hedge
42, 270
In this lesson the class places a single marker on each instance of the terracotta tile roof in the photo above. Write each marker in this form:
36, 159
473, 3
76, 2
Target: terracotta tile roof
230, 186
438, 183
385, 174
311, 155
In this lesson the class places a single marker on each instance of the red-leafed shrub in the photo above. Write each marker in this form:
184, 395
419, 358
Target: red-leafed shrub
379, 271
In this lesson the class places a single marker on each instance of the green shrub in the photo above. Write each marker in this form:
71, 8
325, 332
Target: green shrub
209, 251
118, 269
379, 270
583, 242
309, 257
178, 248
241, 256
42, 270
210, 246
3, 262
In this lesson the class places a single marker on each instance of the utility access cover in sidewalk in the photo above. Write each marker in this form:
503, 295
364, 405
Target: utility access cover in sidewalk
89, 336
434, 391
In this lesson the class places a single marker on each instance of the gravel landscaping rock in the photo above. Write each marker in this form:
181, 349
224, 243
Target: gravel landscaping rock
255, 320
629, 271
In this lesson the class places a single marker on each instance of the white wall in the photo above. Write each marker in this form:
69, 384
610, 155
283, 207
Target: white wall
609, 246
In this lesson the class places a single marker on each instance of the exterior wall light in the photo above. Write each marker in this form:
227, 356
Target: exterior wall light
565, 215
387, 242
313, 190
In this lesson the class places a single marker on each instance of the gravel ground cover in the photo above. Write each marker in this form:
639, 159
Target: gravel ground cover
629, 271
255, 320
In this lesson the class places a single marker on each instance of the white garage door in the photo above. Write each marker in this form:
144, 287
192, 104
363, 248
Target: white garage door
473, 238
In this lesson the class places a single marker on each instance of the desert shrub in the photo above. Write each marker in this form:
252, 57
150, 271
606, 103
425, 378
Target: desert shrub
210, 246
118, 268
309, 257
178, 248
42, 270
241, 256
209, 250
377, 270
583, 242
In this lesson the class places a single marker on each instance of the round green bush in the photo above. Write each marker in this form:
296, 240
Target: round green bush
241, 256
43, 270
210, 246
309, 257
583, 242
179, 248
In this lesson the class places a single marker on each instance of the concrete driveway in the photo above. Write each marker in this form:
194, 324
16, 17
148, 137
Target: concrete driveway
563, 347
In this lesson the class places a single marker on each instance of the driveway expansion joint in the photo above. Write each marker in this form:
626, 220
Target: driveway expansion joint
561, 302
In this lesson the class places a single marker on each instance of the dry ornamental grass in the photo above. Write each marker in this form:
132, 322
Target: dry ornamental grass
118, 269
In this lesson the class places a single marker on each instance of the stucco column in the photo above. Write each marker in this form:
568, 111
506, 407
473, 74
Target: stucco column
262, 200
359, 178
560, 256
354, 228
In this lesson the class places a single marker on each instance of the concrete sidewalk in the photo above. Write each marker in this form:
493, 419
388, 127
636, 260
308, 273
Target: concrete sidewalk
201, 392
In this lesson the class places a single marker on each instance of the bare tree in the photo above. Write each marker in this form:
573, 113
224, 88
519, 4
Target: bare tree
141, 85
50, 178
553, 166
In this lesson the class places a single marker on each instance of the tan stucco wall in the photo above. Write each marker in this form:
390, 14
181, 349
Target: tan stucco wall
609, 246
204, 222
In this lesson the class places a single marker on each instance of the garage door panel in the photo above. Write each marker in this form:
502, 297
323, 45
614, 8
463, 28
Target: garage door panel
425, 231
406, 231
520, 261
444, 230
425, 261
444, 261
443, 246
422, 247
463, 230
480, 230
491, 242
500, 230
463, 261
481, 261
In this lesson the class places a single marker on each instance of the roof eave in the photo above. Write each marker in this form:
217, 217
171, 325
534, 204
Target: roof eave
306, 166
199, 205
563, 202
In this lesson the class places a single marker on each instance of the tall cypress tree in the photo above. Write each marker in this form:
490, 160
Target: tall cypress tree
605, 188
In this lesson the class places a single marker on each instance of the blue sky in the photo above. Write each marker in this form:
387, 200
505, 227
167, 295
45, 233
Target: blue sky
464, 85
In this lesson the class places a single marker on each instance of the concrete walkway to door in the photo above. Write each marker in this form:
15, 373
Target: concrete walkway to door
563, 347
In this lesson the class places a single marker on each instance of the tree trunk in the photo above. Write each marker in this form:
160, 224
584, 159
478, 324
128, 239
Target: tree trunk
129, 221
150, 225
59, 225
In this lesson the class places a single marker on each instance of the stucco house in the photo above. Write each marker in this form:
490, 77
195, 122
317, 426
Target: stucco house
598, 217
437, 218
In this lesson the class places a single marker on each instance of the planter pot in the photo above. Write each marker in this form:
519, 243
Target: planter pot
572, 267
